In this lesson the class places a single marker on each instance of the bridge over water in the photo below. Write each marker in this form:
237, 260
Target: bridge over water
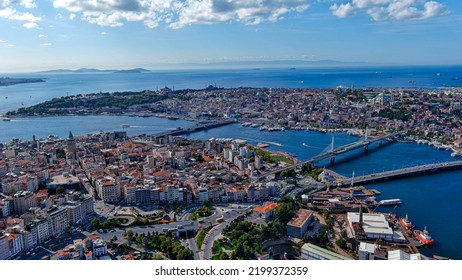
404, 172
363, 143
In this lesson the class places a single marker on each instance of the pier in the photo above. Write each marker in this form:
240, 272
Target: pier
332, 152
404, 172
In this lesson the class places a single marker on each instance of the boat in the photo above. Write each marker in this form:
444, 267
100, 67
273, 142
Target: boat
263, 145
455, 78
390, 201
6, 120
456, 154
424, 237
404, 221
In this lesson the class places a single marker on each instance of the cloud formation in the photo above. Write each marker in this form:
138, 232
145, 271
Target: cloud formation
180, 13
8, 11
397, 10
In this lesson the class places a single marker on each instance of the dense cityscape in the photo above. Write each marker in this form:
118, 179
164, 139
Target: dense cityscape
164, 196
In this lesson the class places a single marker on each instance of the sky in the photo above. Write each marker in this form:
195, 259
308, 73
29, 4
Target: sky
51, 34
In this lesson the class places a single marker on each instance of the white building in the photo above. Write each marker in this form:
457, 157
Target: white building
16, 243
4, 247
373, 226
99, 247
366, 251
203, 195
40, 230
59, 220
401, 255
108, 190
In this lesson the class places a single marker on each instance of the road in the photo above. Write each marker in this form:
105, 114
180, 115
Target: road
229, 213
213, 234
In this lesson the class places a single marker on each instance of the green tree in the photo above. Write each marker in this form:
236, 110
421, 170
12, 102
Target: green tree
96, 223
60, 189
130, 234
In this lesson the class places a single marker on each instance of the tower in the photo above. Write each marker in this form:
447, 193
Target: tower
71, 147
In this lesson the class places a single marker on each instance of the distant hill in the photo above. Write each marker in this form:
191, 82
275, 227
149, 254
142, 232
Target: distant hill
94, 70
135, 70
81, 70
284, 63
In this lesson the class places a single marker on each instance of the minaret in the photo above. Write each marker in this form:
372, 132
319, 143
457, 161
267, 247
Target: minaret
71, 147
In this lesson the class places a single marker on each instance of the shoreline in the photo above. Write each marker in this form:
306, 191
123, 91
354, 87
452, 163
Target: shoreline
350, 131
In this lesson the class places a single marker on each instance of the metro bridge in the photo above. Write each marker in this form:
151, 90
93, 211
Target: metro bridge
331, 152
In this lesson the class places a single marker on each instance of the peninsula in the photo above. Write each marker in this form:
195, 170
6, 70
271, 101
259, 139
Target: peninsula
14, 81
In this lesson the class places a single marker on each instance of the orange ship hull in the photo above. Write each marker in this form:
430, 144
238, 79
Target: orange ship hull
420, 235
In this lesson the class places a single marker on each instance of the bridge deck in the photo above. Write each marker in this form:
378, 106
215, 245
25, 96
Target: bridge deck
404, 172
337, 151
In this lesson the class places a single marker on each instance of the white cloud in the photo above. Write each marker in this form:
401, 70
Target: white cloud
29, 4
180, 13
5, 43
103, 33
45, 44
72, 16
42, 36
343, 10
9, 12
391, 9
30, 25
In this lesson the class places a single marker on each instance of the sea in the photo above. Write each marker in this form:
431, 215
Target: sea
431, 200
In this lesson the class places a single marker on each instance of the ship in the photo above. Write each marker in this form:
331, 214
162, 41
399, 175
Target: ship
423, 236
390, 201
404, 221
263, 145
6, 119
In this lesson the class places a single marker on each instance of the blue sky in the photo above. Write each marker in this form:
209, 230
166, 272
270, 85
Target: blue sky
49, 34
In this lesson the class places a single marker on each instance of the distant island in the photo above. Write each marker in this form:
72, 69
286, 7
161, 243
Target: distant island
93, 70
15, 81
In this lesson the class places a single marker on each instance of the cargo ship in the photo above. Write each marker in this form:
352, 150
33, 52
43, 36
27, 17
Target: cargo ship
404, 221
423, 236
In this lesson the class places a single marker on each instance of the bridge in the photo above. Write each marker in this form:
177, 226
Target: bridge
194, 128
403, 172
363, 143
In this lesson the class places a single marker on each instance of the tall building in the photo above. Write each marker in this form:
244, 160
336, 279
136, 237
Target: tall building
23, 201
4, 247
71, 146
40, 229
59, 220
108, 190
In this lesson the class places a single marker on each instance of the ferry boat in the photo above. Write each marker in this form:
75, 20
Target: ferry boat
404, 221
423, 236
390, 201
262, 145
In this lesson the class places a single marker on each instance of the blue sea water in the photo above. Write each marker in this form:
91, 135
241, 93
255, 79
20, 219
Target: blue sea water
431, 201
62, 84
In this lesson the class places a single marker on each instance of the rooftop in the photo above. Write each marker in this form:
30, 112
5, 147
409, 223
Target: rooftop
326, 254
300, 218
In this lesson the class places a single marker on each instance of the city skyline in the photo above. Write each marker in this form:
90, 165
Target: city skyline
167, 34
